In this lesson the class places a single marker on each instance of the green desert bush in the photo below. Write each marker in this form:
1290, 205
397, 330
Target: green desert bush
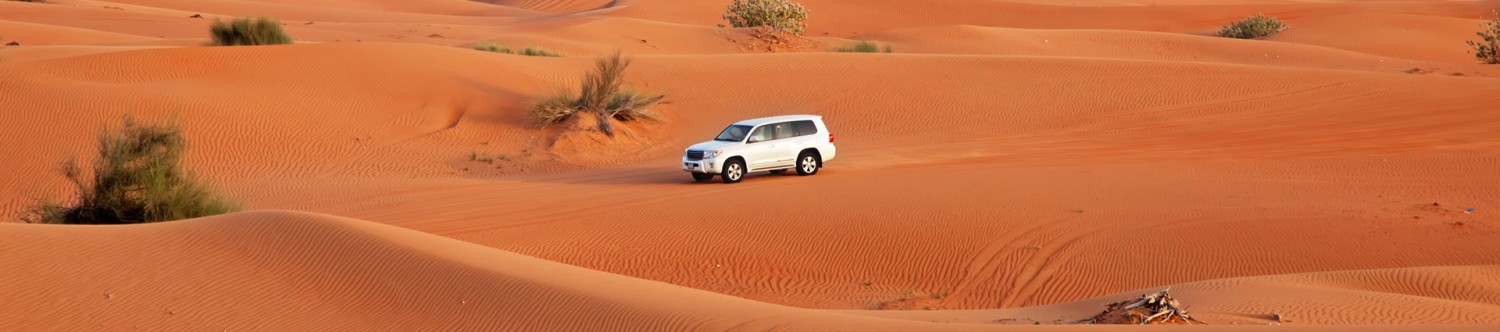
556, 107
138, 178
865, 46
1254, 27
492, 48
602, 92
1488, 50
532, 51
529, 51
781, 15
248, 31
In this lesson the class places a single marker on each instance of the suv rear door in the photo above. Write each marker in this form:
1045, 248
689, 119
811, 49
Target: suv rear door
786, 145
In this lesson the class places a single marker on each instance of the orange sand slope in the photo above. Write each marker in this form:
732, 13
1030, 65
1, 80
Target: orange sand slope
1012, 163
291, 270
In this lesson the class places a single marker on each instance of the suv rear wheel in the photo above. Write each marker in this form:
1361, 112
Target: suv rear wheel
808, 163
734, 171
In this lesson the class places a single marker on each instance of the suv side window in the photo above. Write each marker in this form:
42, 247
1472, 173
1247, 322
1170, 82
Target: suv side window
805, 127
761, 134
783, 130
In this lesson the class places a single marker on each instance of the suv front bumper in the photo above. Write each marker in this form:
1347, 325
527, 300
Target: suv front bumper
706, 166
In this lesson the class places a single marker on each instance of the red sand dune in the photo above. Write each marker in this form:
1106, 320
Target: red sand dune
1012, 163
291, 270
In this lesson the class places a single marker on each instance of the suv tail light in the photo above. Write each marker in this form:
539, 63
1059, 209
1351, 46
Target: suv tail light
830, 137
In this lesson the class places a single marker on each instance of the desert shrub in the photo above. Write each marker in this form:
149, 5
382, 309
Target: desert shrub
137, 178
602, 92
248, 31
487, 47
39, 1
529, 51
556, 107
1488, 50
532, 51
865, 46
781, 15
1258, 26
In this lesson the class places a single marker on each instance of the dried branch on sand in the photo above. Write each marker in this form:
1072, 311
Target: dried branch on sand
1159, 308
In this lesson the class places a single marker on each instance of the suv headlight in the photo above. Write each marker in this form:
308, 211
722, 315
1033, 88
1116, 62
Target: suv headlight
712, 154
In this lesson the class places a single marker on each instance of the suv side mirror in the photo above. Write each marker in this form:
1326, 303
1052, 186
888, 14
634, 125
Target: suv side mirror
752, 140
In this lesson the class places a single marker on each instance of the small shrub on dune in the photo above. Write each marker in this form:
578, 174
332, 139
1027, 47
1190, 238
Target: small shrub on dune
602, 92
532, 51
138, 178
865, 46
37, 1
1488, 49
781, 15
529, 51
1254, 27
556, 107
248, 31
492, 48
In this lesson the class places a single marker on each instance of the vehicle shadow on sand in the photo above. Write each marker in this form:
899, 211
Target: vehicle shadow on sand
655, 176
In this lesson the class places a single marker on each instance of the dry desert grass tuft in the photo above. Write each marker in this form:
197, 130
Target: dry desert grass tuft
1254, 27
864, 46
1488, 49
248, 31
528, 51
782, 15
138, 178
602, 92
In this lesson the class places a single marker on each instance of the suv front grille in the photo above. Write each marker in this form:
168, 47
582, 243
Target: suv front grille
694, 155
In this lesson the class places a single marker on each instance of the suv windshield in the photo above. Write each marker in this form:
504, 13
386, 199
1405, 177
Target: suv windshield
734, 133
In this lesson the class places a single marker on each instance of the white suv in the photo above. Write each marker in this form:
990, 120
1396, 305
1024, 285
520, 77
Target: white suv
773, 144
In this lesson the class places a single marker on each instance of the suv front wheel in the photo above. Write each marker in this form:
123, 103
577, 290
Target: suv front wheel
808, 163
734, 171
